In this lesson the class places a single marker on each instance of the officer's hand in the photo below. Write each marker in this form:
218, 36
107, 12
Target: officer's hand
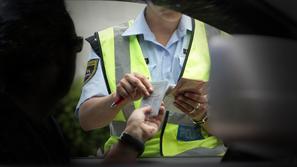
143, 126
134, 86
192, 102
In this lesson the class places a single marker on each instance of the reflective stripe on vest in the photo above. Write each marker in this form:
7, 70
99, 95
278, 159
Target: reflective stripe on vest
118, 59
122, 66
106, 41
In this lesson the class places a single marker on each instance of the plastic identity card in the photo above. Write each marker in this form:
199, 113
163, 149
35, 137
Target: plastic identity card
155, 99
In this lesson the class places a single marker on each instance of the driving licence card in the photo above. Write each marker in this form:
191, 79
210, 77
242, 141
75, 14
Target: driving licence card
155, 99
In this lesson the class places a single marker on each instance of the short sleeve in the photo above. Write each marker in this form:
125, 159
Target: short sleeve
94, 82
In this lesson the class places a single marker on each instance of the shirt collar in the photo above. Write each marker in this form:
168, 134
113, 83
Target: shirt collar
140, 26
184, 25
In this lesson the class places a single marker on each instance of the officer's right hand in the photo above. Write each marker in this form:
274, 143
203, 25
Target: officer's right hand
133, 86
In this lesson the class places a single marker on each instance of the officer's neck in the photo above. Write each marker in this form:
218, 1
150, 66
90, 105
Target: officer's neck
161, 27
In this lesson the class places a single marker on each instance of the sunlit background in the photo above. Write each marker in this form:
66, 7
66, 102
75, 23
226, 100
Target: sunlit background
90, 16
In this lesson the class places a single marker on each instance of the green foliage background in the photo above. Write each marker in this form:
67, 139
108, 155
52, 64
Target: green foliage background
81, 143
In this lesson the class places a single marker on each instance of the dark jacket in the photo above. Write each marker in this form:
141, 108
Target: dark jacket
23, 141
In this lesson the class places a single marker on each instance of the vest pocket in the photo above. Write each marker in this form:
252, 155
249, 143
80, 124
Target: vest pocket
189, 133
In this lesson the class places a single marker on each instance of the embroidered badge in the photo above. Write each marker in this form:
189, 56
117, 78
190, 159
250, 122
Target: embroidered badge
189, 133
91, 69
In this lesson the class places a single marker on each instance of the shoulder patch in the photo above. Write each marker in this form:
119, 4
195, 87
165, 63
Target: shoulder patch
91, 69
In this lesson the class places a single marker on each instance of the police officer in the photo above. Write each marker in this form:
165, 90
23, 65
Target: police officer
160, 44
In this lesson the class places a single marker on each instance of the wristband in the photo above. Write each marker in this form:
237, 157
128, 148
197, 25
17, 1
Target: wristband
134, 143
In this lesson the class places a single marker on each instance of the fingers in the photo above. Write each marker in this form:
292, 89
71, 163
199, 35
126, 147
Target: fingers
196, 97
190, 101
134, 85
160, 116
182, 108
185, 107
156, 120
142, 125
125, 89
194, 86
121, 91
161, 113
145, 81
137, 94
189, 107
139, 82
146, 109
189, 112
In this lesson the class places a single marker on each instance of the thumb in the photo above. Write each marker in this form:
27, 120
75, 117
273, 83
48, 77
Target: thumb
146, 109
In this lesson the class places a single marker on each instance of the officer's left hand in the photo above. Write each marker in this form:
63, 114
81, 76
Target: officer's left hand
192, 102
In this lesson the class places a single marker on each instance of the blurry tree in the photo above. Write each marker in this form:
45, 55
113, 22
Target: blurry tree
81, 143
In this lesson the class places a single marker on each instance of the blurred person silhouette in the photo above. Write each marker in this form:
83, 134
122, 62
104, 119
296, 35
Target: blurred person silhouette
249, 104
38, 46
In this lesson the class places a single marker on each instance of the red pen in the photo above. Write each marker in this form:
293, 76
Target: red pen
117, 101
